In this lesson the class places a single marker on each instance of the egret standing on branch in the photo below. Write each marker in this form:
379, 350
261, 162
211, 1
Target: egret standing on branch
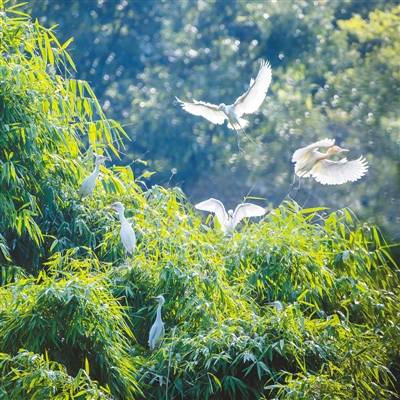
88, 184
127, 233
157, 330
247, 103
229, 220
310, 162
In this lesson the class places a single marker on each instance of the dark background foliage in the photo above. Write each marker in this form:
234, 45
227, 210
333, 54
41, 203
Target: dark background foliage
335, 74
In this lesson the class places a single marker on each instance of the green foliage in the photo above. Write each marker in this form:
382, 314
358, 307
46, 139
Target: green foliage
42, 116
335, 74
28, 375
76, 321
75, 312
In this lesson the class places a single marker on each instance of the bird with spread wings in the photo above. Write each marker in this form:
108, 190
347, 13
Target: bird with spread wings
310, 162
247, 103
228, 220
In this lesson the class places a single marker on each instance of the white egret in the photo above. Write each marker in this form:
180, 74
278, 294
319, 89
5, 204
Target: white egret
127, 233
247, 103
89, 182
310, 162
228, 220
277, 304
157, 330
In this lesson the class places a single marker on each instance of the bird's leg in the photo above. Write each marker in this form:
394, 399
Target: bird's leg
240, 150
293, 192
248, 137
292, 184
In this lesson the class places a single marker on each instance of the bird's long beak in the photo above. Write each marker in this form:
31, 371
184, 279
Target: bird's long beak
341, 150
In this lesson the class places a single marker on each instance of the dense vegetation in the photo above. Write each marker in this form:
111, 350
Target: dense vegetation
75, 313
335, 74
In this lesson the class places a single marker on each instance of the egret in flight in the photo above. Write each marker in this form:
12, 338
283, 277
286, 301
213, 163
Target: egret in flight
127, 233
247, 103
228, 220
310, 162
157, 330
88, 184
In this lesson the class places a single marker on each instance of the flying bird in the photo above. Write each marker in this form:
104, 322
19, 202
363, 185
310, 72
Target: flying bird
247, 103
127, 233
228, 220
88, 184
310, 162
157, 330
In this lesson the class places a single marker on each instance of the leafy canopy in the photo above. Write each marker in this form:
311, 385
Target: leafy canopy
75, 314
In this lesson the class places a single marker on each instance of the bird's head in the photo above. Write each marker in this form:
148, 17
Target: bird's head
159, 299
117, 206
230, 214
222, 107
100, 159
336, 149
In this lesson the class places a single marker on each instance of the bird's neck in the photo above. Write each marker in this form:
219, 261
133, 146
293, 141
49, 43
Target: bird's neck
97, 169
121, 216
322, 156
158, 318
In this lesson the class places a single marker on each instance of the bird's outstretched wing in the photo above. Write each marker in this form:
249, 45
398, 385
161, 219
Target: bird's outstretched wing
247, 210
330, 172
250, 102
305, 152
215, 206
207, 110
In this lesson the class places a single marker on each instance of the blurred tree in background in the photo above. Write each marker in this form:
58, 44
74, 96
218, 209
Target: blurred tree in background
335, 74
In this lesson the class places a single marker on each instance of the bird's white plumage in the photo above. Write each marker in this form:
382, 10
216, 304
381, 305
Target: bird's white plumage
247, 210
329, 172
88, 184
207, 110
157, 330
310, 162
128, 237
215, 206
305, 153
229, 220
248, 103
127, 234
277, 304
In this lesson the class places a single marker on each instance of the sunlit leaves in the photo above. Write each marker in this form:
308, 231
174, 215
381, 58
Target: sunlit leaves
82, 308
43, 115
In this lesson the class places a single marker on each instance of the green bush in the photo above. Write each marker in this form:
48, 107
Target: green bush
76, 312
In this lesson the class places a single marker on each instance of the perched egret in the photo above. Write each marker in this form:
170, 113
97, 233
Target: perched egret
247, 103
277, 304
127, 233
229, 220
89, 182
310, 162
157, 330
